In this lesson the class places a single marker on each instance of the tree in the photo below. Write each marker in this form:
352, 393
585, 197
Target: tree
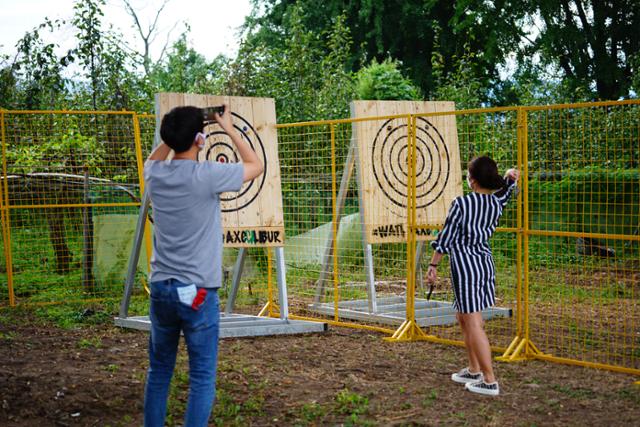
36, 71
148, 35
307, 75
186, 70
594, 42
8, 83
409, 30
87, 14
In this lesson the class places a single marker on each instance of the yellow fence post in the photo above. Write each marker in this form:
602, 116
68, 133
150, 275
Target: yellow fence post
139, 160
270, 308
409, 330
334, 226
4, 209
521, 347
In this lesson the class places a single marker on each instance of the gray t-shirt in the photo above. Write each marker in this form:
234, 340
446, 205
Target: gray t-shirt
187, 238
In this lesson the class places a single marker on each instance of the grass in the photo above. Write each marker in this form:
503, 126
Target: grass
353, 405
113, 368
574, 393
8, 336
430, 398
95, 342
311, 412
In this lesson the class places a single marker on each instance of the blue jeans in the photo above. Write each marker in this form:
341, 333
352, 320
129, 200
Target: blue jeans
200, 328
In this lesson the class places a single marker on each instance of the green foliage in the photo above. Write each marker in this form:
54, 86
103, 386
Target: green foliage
384, 81
185, 70
90, 39
406, 30
8, 83
592, 200
459, 84
594, 43
351, 403
36, 71
306, 75
310, 412
95, 342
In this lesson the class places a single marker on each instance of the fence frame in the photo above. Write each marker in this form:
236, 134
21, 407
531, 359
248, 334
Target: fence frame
521, 346
6, 206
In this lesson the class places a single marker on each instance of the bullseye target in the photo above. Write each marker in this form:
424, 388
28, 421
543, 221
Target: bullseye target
220, 148
383, 152
389, 157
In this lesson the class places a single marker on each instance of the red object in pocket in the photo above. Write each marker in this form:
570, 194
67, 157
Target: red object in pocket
199, 299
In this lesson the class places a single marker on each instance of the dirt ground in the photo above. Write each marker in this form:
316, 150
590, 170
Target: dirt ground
93, 375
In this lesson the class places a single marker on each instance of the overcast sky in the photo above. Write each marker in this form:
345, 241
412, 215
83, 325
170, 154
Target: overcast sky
213, 22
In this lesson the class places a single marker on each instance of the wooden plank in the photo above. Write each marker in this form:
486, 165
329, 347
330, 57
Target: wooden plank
385, 172
252, 217
391, 181
244, 206
265, 124
364, 132
164, 103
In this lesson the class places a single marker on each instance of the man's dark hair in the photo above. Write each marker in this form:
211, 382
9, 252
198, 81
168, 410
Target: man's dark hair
485, 171
180, 126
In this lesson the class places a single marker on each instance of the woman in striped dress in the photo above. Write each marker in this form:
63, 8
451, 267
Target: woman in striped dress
471, 221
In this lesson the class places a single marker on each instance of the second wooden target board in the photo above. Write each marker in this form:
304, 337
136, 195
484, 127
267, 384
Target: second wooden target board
384, 174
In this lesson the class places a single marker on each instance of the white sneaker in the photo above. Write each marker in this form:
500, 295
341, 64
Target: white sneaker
465, 376
481, 387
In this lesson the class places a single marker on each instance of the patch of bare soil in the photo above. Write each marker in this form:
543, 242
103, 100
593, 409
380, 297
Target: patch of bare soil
94, 376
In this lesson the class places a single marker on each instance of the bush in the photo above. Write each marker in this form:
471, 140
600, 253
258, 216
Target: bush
385, 81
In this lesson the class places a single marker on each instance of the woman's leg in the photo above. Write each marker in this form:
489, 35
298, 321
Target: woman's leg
478, 343
473, 360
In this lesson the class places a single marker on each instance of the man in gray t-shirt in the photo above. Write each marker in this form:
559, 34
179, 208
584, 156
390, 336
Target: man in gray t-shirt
186, 265
187, 242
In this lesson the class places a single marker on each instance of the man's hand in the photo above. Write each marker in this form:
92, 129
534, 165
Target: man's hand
252, 164
224, 120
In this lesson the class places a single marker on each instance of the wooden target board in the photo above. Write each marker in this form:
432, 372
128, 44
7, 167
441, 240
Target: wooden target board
253, 216
382, 154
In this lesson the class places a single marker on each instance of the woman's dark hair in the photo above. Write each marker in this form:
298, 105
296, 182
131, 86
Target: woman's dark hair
485, 172
180, 126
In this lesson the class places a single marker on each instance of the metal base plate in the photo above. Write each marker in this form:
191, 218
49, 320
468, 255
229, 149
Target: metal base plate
240, 325
392, 311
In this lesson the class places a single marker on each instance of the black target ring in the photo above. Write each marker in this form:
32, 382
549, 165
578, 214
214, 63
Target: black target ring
403, 147
223, 151
389, 159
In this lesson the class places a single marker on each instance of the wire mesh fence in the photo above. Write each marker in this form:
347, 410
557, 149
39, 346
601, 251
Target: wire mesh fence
493, 133
582, 239
566, 249
70, 191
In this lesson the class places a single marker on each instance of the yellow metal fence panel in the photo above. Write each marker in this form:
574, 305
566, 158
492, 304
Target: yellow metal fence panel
70, 199
566, 249
493, 133
583, 243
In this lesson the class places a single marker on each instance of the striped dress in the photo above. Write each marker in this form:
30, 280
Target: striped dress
470, 223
